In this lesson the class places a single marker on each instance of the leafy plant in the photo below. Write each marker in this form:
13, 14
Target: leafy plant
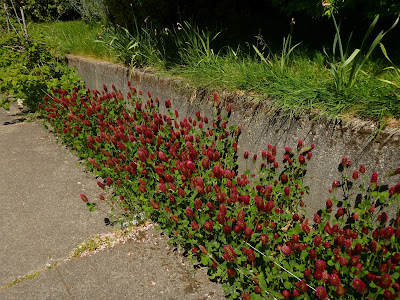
73, 37
193, 44
29, 71
346, 70
306, 84
136, 49
283, 60
41, 10
90, 11
369, 10
286, 50
394, 68
251, 231
123, 45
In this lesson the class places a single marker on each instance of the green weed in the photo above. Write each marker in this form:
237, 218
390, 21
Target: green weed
187, 53
346, 71
89, 245
73, 37
20, 279
394, 71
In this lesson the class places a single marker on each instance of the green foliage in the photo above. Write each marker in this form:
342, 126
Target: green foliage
345, 72
124, 46
364, 9
283, 60
293, 81
183, 44
29, 71
91, 11
286, 51
75, 37
193, 44
361, 9
250, 231
22, 278
136, 49
190, 54
305, 86
396, 72
41, 10
28, 68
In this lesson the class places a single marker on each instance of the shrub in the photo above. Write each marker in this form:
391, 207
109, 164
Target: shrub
251, 231
345, 72
29, 71
42, 10
90, 11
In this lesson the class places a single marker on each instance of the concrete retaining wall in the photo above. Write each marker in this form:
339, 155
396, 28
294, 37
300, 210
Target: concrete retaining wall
355, 139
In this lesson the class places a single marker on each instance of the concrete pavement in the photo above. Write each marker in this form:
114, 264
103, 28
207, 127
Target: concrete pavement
43, 220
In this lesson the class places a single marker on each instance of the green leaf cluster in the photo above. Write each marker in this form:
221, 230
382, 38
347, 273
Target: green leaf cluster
29, 71
249, 229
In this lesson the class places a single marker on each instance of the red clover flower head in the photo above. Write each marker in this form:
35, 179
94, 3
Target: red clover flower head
359, 285
321, 293
286, 250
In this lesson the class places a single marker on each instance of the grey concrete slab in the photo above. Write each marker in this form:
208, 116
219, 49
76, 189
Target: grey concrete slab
46, 286
146, 269
43, 217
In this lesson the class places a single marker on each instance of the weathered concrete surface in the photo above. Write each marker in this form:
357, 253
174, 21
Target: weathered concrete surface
43, 219
355, 138
141, 269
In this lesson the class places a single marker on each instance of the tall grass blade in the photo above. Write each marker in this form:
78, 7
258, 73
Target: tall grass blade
394, 68
355, 71
338, 39
383, 49
351, 58
369, 31
261, 56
